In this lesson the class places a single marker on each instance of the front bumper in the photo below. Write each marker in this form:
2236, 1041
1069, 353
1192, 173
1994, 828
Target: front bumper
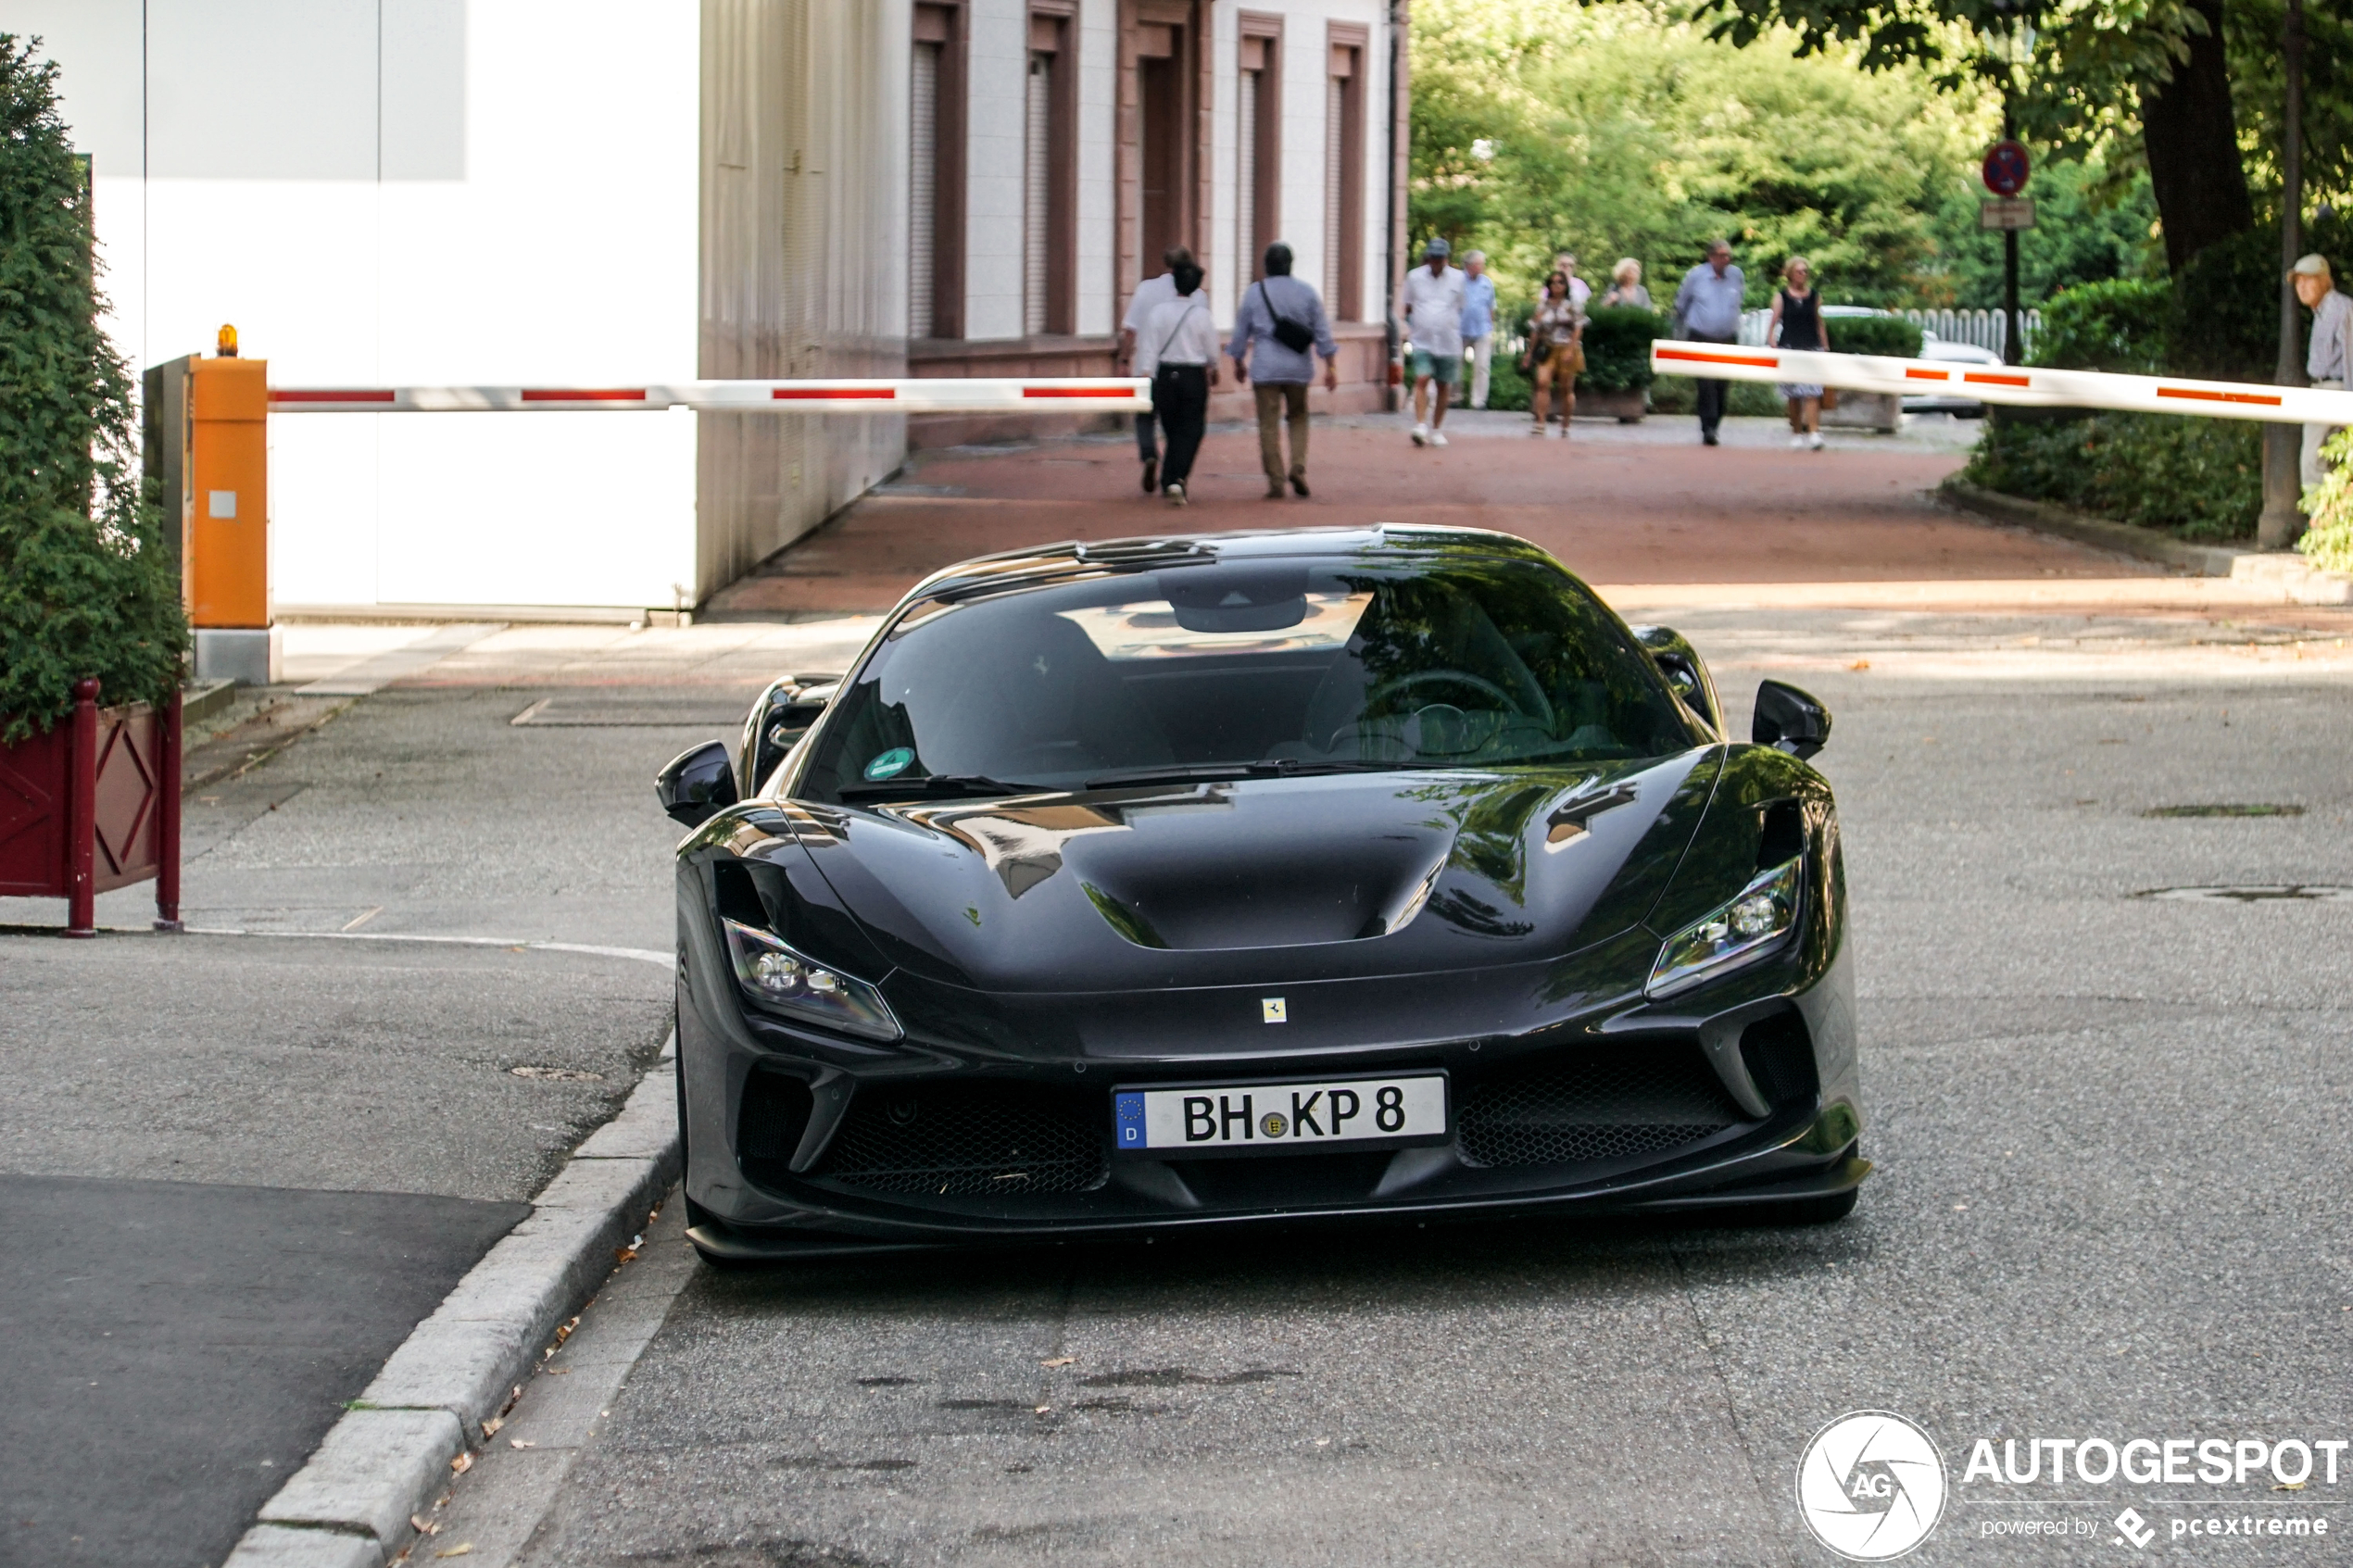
802, 1147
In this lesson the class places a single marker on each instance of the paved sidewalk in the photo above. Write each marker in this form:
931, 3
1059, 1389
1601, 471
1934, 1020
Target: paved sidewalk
239, 1168
1630, 508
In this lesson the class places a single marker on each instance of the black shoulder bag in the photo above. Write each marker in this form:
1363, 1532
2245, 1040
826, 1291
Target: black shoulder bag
1297, 336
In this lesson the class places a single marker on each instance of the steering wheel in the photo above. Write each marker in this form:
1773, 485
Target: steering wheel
1373, 698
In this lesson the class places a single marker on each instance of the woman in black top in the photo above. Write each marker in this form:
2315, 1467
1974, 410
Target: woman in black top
1798, 323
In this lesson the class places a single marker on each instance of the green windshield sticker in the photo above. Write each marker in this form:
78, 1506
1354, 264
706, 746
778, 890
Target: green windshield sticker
890, 764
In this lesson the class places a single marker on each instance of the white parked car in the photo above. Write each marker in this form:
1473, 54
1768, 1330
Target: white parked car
1931, 347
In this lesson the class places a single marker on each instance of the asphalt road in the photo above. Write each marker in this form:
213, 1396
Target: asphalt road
2111, 1131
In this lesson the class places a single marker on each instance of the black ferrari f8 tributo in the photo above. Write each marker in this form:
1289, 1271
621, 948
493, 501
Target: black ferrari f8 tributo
1253, 877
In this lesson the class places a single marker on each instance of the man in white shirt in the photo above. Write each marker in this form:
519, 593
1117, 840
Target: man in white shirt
2331, 356
1434, 320
1151, 292
1176, 349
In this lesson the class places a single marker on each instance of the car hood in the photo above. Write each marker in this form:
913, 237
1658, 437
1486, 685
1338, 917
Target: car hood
1324, 877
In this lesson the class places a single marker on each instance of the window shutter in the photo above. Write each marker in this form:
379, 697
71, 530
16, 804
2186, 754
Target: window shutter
923, 193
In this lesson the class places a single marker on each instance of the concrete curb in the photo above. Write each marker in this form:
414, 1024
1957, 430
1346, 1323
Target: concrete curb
390, 1455
2283, 573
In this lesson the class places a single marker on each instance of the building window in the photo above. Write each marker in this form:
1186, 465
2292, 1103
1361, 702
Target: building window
1050, 198
1161, 157
1344, 175
935, 185
1258, 157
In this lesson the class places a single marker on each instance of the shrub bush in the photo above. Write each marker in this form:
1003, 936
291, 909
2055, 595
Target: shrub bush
2199, 479
2328, 543
2117, 325
86, 586
1617, 347
1889, 336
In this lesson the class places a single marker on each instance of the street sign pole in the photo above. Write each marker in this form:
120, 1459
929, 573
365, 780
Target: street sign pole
2013, 349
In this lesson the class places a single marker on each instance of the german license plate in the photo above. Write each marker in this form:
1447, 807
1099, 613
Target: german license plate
1281, 1118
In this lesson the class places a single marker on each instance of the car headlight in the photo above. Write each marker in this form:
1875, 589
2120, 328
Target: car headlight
776, 977
1746, 928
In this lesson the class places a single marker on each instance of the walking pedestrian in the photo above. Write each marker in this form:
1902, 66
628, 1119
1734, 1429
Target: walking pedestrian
1707, 309
1434, 318
1478, 323
1177, 348
1626, 286
1798, 323
1580, 291
1279, 330
1556, 352
1150, 293
2330, 358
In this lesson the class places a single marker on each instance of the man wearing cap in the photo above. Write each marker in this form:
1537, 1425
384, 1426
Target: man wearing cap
1434, 320
2331, 354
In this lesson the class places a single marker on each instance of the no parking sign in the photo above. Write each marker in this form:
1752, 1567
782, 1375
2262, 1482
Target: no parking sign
2005, 168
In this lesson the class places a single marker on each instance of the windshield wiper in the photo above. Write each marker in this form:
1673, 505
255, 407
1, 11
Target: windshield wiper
1268, 768
936, 783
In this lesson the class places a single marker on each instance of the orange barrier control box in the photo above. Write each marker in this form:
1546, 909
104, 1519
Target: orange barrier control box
225, 510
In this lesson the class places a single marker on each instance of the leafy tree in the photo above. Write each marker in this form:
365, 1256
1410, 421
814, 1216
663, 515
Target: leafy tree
1620, 130
2157, 68
2092, 224
86, 586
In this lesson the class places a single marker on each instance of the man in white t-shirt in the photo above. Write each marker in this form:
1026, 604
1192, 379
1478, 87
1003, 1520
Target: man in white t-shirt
1151, 292
1434, 321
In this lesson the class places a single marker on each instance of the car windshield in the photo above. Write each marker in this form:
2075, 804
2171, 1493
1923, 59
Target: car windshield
1459, 658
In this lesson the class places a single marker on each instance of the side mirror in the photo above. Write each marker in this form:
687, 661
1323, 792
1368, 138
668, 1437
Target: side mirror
697, 785
1789, 720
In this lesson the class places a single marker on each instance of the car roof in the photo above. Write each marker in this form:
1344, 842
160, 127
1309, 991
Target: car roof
1046, 563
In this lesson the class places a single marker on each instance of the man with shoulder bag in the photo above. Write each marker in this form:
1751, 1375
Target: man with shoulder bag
1280, 321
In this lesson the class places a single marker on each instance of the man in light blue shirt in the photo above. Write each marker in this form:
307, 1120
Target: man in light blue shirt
1276, 307
1707, 309
1479, 321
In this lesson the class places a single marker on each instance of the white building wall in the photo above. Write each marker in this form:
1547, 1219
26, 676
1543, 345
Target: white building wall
423, 191
1098, 111
996, 138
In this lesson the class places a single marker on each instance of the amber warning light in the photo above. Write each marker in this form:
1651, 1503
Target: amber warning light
226, 346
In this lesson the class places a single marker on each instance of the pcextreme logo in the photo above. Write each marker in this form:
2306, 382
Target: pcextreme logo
1871, 1486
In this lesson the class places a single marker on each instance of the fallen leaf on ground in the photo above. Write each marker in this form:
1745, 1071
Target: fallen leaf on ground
1860, 664
2287, 1487
462, 1463
423, 1526
463, 1549
1041, 1409
490, 1427
519, 1443
1059, 1360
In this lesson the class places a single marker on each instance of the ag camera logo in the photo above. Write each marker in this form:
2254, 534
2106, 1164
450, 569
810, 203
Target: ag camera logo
1871, 1486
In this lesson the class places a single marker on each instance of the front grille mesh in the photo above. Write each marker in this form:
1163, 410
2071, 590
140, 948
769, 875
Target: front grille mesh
967, 1139
1641, 1099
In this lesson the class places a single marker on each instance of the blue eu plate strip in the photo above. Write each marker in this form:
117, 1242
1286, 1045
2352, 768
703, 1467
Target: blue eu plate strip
1129, 1112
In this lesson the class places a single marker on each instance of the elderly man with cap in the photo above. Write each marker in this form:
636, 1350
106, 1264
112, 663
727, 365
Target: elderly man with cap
2331, 356
1434, 299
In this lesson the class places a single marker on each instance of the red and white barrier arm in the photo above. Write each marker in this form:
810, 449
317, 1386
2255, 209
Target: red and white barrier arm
2025, 386
1087, 395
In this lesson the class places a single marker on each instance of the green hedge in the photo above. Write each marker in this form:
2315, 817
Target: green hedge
1890, 336
2117, 325
86, 586
1617, 347
2200, 479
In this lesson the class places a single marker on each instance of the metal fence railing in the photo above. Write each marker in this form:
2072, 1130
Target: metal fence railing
1983, 328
